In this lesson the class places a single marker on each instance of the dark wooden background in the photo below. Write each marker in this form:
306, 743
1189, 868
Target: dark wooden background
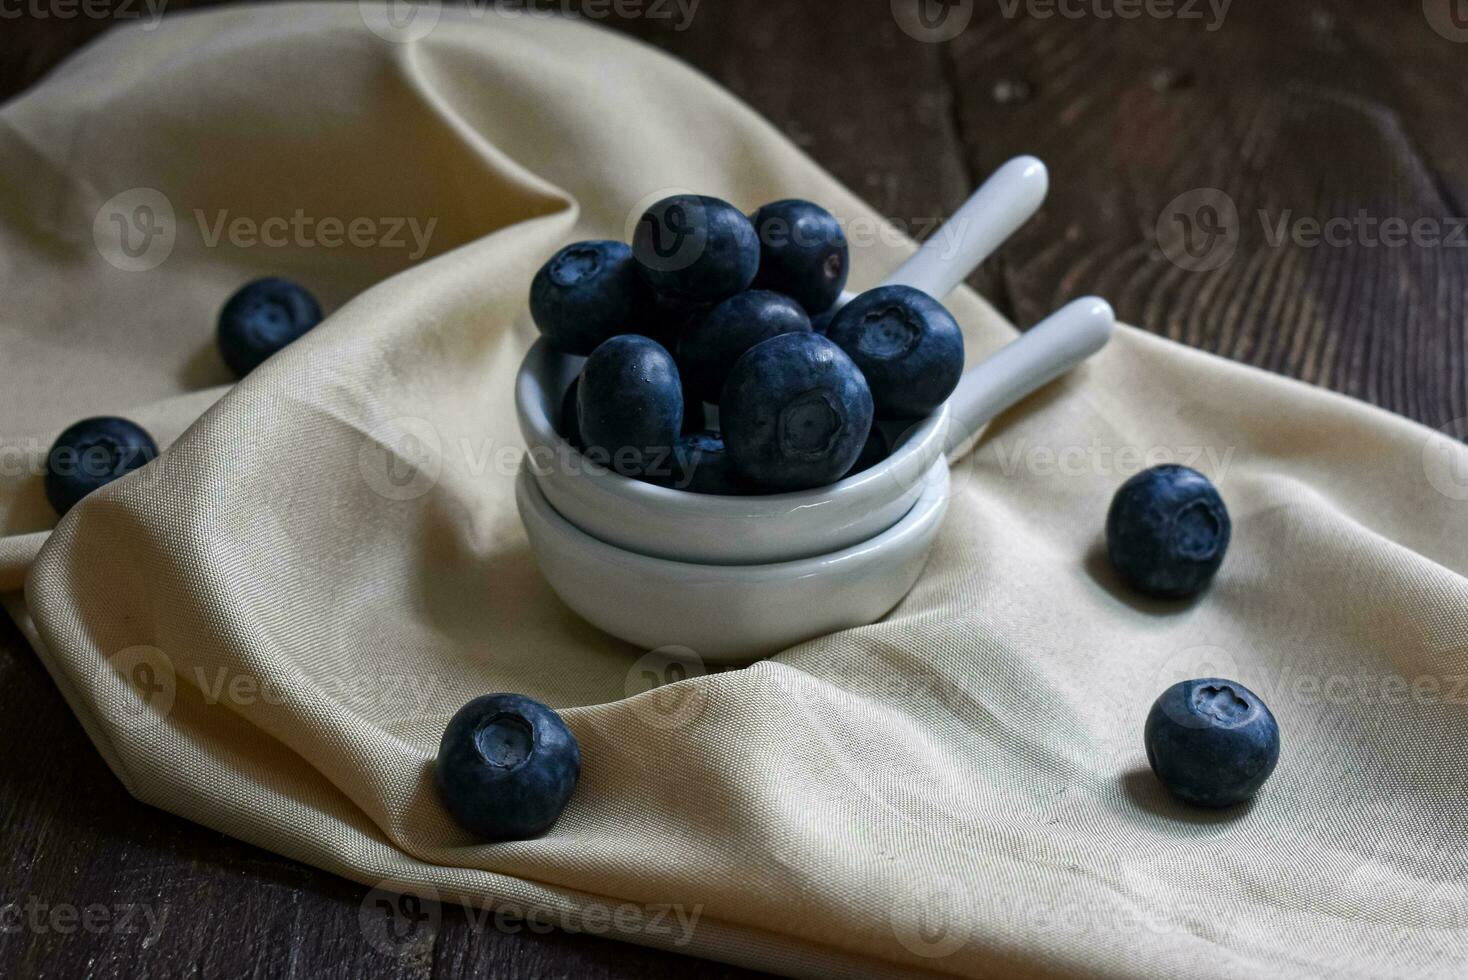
1307, 109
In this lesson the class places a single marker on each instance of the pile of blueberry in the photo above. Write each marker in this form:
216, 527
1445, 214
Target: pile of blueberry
258, 320
709, 307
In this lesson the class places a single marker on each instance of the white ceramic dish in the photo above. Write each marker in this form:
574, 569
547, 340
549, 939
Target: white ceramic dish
724, 613
706, 529
693, 527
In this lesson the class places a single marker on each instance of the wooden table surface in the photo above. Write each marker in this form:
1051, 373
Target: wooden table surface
1189, 155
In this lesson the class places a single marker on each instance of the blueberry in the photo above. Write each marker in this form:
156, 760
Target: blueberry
629, 404
585, 293
1167, 531
796, 412
708, 349
696, 248
803, 253
701, 465
663, 318
1211, 742
909, 347
260, 319
507, 766
821, 322
876, 449
91, 454
570, 427
695, 418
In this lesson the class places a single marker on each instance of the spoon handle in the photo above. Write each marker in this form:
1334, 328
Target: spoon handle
1038, 356
984, 222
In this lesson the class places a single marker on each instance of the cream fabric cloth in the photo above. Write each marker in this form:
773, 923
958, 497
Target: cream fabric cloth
327, 562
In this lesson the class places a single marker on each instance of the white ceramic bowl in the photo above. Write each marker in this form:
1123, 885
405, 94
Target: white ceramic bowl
730, 614
706, 529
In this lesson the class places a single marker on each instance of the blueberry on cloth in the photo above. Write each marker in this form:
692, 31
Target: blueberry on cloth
708, 349
506, 767
1167, 531
584, 294
629, 404
796, 413
261, 318
803, 253
1211, 742
697, 248
91, 454
906, 343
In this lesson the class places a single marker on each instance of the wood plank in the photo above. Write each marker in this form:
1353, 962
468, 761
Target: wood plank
1294, 113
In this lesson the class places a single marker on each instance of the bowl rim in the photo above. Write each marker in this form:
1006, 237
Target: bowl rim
931, 505
535, 416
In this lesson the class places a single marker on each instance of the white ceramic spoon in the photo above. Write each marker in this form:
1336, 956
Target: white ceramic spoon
711, 530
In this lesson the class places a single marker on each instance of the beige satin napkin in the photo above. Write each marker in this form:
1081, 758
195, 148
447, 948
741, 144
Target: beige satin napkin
266, 630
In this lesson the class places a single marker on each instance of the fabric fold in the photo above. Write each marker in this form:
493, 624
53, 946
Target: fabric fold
266, 629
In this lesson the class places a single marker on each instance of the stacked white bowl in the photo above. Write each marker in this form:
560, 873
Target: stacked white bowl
733, 579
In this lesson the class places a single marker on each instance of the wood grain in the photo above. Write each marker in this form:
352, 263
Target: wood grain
1292, 110
1296, 112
